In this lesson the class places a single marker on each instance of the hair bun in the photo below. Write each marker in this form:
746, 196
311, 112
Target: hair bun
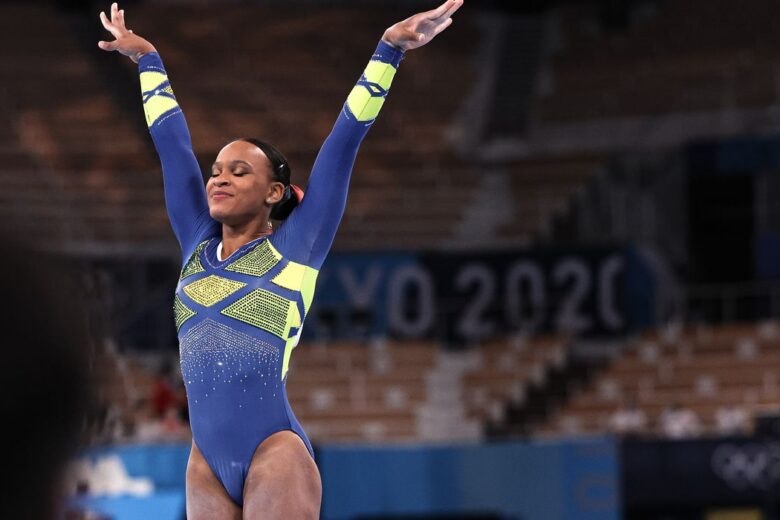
293, 195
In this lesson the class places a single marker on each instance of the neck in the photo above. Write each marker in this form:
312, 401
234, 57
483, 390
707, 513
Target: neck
233, 237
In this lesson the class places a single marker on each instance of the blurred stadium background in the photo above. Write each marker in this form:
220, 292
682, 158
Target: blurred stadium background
554, 294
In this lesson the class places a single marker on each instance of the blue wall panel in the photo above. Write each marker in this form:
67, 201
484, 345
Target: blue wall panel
529, 481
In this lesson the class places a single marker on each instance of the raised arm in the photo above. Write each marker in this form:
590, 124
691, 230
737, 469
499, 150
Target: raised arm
185, 195
308, 233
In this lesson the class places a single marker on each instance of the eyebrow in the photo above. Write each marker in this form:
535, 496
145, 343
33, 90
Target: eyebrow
233, 163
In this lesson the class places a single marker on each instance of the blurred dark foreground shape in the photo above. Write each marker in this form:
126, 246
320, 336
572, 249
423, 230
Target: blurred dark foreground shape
45, 394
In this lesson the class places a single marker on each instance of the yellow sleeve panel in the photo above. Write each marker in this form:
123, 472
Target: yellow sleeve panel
365, 101
157, 106
302, 278
380, 73
307, 288
298, 277
288, 348
363, 105
150, 80
293, 320
291, 277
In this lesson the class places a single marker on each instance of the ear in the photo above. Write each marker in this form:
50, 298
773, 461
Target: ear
275, 193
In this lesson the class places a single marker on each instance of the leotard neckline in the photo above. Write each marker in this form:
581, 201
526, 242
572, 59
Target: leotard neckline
213, 252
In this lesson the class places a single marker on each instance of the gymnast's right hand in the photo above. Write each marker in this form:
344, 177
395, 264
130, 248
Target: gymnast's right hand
127, 43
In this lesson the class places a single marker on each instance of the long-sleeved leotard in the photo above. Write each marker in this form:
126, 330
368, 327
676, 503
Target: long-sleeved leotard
239, 319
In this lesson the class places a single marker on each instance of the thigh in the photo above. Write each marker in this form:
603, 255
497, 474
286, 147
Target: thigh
283, 481
206, 497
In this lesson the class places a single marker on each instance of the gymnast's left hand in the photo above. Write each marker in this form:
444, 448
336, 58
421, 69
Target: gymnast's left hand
421, 28
127, 43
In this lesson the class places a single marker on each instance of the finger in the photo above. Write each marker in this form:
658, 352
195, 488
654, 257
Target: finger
439, 11
114, 12
442, 26
104, 21
109, 26
108, 46
457, 4
414, 36
120, 17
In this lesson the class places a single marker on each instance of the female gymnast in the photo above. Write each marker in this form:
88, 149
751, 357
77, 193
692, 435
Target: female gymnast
244, 290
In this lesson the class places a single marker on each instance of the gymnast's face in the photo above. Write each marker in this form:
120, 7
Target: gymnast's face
241, 188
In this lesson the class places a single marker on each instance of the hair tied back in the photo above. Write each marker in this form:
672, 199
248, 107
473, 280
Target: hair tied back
293, 195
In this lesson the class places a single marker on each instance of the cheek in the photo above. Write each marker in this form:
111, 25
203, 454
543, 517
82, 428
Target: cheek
259, 191
252, 194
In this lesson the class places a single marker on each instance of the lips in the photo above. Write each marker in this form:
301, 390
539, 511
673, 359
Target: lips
220, 195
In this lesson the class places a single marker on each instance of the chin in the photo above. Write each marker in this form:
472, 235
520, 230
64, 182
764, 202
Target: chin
217, 215
228, 219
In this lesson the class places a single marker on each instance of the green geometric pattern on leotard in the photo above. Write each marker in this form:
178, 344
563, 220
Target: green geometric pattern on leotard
257, 262
264, 310
193, 265
181, 312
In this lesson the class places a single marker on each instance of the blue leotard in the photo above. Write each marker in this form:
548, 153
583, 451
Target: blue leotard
239, 319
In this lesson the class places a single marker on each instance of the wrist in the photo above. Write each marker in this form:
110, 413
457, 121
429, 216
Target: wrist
389, 53
143, 52
388, 40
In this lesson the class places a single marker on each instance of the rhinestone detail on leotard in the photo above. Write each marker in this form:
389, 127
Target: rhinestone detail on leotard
212, 289
181, 312
258, 261
215, 354
193, 264
264, 310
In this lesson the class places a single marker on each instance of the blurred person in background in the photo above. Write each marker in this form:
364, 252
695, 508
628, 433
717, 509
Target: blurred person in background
732, 420
46, 397
146, 424
164, 394
172, 426
678, 422
245, 289
628, 420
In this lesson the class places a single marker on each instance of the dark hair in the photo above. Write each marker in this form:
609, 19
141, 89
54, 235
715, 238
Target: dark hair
280, 169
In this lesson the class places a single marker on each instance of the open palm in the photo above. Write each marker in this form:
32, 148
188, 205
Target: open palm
127, 43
